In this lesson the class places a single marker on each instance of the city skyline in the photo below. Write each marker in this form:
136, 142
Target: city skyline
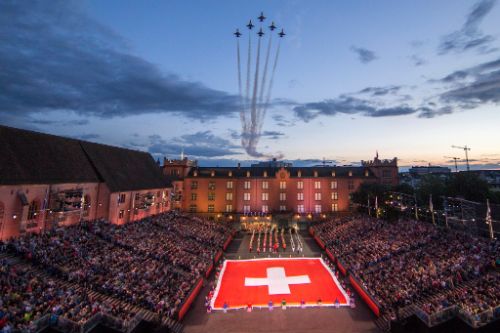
408, 80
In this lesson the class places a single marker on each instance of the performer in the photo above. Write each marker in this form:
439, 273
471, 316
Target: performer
283, 304
270, 304
249, 307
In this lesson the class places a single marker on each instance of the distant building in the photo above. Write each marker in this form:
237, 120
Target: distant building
415, 174
426, 170
492, 177
272, 187
48, 180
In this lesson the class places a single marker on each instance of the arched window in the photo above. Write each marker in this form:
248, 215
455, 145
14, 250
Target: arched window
33, 210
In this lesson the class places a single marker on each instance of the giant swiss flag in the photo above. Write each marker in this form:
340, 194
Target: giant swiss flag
258, 281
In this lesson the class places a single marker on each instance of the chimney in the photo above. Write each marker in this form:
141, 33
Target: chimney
239, 165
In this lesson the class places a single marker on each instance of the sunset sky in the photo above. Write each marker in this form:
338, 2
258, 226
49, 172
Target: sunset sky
404, 78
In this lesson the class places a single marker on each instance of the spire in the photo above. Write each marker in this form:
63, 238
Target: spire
182, 153
376, 154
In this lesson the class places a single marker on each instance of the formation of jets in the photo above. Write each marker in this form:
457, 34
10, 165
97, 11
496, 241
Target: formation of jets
260, 33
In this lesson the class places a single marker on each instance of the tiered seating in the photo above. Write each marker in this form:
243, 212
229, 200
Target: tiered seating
403, 263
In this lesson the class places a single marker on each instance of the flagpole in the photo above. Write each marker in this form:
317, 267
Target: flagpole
369, 212
431, 207
376, 206
489, 220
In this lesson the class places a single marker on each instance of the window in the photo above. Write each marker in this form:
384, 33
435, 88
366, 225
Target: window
299, 173
317, 208
246, 209
246, 196
300, 208
282, 208
246, 185
265, 185
229, 208
335, 195
230, 173
265, 196
300, 196
121, 198
194, 196
211, 208
248, 174
335, 207
211, 185
121, 214
282, 196
282, 185
192, 208
350, 185
315, 173
333, 173
32, 211
333, 185
229, 196
367, 173
317, 196
212, 173
317, 185
265, 173
229, 185
386, 173
211, 196
350, 173
300, 185
265, 208
194, 173
194, 185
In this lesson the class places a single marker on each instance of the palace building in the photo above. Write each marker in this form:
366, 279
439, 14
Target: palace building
48, 180
272, 188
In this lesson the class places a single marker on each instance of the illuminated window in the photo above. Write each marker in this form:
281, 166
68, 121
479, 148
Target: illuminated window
121, 198
317, 196
265, 208
246, 196
317, 208
246, 185
335, 195
192, 208
194, 185
300, 208
32, 211
265, 185
265, 196
282, 208
317, 185
229, 196
350, 173
211, 196
194, 196
333, 185
299, 173
211, 208
212, 173
229, 185
246, 209
230, 173
121, 214
300, 185
265, 173
211, 185
248, 173
229, 208
300, 196
282, 196
335, 207
315, 173
282, 185
367, 173
333, 173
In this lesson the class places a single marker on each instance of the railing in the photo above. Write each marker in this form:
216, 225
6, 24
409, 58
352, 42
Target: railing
437, 318
67, 325
479, 319
41, 323
90, 323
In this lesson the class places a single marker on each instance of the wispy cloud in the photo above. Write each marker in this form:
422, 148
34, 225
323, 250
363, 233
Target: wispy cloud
364, 55
470, 37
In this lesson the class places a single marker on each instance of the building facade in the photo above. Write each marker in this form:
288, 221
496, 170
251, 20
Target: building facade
274, 190
48, 181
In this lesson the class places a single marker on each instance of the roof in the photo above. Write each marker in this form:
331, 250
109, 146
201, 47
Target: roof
124, 169
340, 171
36, 158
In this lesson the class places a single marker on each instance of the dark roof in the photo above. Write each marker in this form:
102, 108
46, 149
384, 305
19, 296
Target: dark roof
340, 171
36, 158
124, 169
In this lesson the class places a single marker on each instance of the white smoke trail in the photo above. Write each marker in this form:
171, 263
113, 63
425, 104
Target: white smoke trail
264, 76
244, 137
240, 91
253, 135
271, 82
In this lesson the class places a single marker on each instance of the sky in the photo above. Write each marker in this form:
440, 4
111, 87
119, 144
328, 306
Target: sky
408, 79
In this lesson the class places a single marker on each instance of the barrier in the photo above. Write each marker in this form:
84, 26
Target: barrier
341, 268
330, 255
364, 295
320, 242
209, 270
217, 257
311, 231
190, 299
226, 244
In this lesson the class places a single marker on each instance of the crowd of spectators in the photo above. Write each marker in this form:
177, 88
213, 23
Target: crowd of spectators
153, 263
404, 262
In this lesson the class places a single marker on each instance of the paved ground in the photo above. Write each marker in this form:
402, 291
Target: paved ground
316, 320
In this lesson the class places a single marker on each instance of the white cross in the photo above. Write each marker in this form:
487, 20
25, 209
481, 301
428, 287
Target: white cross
277, 281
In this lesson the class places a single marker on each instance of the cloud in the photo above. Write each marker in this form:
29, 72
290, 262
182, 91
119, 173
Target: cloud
53, 57
469, 37
364, 55
380, 91
202, 144
417, 60
87, 137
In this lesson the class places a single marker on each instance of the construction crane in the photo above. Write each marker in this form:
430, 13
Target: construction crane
466, 149
454, 159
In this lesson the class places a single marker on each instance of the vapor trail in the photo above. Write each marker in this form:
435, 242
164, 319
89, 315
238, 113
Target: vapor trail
264, 76
253, 129
270, 87
242, 110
